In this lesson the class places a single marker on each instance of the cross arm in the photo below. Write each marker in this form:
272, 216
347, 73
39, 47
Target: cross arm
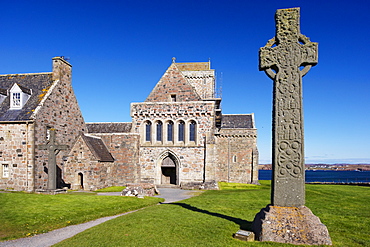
46, 146
309, 54
42, 146
267, 59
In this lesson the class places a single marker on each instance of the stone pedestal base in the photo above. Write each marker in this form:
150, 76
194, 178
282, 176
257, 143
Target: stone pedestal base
294, 225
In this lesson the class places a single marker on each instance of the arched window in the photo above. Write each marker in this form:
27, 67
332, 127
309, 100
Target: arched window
148, 131
192, 131
159, 131
170, 131
181, 131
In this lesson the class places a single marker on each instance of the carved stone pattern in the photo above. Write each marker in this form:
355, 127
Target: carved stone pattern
288, 84
281, 59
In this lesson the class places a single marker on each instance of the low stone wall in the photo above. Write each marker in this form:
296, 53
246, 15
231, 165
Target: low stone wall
211, 185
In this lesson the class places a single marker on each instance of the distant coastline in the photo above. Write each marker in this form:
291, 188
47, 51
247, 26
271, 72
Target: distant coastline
331, 167
354, 177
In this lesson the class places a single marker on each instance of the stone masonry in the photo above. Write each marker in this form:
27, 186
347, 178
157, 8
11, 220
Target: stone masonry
58, 110
16, 150
177, 136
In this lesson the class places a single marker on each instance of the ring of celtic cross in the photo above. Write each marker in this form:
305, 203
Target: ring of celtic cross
306, 67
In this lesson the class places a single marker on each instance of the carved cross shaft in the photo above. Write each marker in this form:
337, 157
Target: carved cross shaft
54, 149
282, 59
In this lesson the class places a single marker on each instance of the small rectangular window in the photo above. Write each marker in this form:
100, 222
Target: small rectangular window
16, 100
173, 97
5, 170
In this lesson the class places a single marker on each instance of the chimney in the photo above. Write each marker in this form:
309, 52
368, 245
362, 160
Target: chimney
61, 69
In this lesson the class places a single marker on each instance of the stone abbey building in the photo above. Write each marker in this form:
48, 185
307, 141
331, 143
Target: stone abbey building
178, 135
30, 106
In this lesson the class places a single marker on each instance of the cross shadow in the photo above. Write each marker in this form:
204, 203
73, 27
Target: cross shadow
244, 224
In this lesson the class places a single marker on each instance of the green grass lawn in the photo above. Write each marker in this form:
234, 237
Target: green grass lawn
112, 189
212, 218
23, 214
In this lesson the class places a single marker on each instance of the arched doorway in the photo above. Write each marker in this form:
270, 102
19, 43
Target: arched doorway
169, 171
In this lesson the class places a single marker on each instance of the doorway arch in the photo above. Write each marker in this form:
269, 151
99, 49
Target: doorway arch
169, 168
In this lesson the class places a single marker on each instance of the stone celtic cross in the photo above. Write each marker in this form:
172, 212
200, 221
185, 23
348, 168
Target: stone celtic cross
54, 149
286, 58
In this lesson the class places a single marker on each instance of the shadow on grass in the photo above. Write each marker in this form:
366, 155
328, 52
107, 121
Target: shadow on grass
244, 224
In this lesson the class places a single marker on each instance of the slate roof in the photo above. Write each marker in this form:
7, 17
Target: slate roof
3, 91
24, 89
39, 83
98, 148
243, 121
108, 127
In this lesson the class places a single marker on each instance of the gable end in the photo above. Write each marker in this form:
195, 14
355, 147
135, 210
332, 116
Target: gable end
173, 86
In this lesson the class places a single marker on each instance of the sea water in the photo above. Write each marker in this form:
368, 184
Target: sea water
326, 176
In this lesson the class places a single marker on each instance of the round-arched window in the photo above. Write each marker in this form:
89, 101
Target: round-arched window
170, 131
192, 131
181, 132
159, 131
148, 131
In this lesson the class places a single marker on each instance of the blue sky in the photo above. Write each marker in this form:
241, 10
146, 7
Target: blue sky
120, 49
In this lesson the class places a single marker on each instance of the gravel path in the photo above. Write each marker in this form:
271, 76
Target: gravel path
56, 236
174, 195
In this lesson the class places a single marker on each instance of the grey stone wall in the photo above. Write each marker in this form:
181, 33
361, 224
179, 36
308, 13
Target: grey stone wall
201, 112
96, 175
190, 163
16, 151
83, 171
58, 110
189, 155
125, 151
234, 161
202, 81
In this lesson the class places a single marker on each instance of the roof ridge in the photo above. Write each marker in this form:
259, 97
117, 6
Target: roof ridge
16, 74
89, 135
